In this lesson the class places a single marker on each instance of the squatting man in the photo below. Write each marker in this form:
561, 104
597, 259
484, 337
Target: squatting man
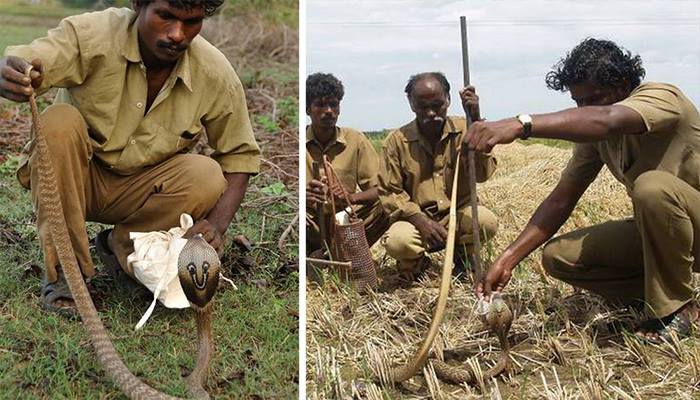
135, 96
648, 135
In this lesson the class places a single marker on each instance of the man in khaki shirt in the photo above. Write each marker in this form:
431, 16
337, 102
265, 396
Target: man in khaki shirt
352, 158
137, 91
648, 135
415, 177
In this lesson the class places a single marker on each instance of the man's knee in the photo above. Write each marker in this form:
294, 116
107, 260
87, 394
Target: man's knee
399, 239
651, 189
204, 179
552, 259
488, 225
63, 126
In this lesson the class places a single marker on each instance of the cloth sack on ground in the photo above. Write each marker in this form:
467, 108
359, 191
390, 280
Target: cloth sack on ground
154, 262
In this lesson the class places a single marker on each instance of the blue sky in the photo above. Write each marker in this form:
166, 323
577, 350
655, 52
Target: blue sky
374, 46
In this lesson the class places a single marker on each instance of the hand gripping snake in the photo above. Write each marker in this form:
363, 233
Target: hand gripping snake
198, 271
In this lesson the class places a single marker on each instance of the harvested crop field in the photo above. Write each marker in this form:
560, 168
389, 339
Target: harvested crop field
567, 344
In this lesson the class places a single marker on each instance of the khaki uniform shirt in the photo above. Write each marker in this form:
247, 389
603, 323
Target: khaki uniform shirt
95, 57
416, 176
671, 143
350, 153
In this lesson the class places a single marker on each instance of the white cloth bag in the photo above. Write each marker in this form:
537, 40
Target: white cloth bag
154, 262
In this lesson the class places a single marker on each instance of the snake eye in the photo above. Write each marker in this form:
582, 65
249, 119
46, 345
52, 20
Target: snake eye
205, 266
192, 268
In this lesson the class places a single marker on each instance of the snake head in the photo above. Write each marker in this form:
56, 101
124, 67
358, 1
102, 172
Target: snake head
198, 268
498, 316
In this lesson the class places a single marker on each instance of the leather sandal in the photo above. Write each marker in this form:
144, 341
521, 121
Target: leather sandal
52, 292
678, 324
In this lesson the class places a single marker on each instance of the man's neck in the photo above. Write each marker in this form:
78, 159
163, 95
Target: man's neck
433, 135
323, 135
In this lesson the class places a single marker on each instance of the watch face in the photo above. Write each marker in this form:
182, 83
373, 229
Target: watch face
525, 118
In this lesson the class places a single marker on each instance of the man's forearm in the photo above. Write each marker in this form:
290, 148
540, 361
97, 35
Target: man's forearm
588, 124
368, 196
221, 215
545, 222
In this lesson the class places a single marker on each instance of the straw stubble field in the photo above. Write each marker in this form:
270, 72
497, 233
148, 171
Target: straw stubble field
567, 344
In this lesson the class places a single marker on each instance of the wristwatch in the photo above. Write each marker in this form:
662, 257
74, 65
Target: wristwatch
526, 121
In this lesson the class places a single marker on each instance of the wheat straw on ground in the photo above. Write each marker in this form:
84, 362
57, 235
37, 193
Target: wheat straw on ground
565, 344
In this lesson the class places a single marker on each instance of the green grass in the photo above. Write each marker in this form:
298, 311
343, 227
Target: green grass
46, 9
377, 139
43, 355
17, 31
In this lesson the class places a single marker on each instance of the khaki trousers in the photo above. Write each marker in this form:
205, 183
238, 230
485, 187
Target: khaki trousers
649, 258
375, 221
404, 243
149, 200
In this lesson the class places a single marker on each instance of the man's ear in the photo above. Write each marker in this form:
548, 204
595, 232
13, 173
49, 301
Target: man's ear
308, 110
410, 103
137, 6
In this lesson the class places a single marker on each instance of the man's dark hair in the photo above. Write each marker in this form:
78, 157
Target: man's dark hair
321, 85
210, 6
599, 62
436, 75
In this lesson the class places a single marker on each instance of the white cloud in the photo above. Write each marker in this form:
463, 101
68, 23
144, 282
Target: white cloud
374, 46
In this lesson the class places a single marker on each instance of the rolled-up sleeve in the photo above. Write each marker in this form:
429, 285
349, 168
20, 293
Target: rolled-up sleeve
230, 132
395, 200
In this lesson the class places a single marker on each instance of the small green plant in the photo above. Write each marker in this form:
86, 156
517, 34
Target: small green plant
275, 189
267, 123
289, 110
10, 165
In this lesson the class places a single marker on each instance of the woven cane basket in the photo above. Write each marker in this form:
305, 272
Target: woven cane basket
350, 242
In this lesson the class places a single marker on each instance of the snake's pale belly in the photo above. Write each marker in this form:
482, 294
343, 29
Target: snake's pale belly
50, 205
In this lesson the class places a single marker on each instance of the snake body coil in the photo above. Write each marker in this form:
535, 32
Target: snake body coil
50, 204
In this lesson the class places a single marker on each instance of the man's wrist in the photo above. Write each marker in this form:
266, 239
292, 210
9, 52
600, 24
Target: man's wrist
525, 121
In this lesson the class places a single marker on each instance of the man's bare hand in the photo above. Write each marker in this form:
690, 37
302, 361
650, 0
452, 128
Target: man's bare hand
434, 235
483, 136
14, 84
316, 193
495, 280
470, 102
209, 233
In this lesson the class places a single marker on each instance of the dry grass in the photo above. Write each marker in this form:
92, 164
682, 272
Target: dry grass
567, 343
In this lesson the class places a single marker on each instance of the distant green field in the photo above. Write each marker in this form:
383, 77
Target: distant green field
377, 138
18, 31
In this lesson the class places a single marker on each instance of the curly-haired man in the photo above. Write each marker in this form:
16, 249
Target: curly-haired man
138, 87
352, 157
648, 135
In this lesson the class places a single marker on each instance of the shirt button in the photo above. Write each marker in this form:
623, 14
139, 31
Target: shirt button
139, 105
132, 141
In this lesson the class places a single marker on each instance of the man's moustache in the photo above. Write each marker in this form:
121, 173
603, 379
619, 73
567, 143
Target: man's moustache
436, 120
167, 45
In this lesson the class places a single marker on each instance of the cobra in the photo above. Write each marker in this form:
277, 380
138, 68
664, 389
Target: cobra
196, 252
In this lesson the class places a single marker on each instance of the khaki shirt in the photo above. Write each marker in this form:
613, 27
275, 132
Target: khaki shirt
95, 58
351, 155
415, 176
671, 143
